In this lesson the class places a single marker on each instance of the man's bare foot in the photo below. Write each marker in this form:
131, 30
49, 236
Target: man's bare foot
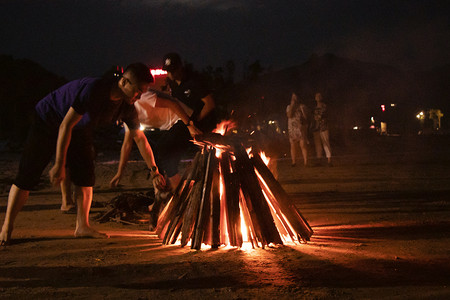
5, 237
88, 232
69, 209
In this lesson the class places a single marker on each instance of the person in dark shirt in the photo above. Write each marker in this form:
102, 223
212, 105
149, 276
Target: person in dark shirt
64, 124
190, 90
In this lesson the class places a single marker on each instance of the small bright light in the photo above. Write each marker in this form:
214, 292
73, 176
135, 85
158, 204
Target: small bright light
355, 127
372, 120
393, 105
372, 126
158, 72
383, 107
142, 127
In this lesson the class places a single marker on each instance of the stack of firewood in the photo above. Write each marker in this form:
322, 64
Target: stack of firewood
202, 212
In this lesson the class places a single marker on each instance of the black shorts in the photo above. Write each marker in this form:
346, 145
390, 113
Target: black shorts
171, 146
40, 148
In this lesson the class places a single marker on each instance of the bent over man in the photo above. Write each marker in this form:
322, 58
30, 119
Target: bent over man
64, 124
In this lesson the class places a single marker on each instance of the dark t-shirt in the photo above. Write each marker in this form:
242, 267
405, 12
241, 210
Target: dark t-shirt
89, 97
190, 91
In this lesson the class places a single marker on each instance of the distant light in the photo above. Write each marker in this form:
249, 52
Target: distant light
142, 127
158, 72
272, 122
372, 126
383, 107
420, 115
393, 105
372, 120
355, 127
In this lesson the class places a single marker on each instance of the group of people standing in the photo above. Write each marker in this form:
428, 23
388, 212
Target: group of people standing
66, 120
302, 124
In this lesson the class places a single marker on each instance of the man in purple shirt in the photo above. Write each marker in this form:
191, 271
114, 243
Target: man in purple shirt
65, 120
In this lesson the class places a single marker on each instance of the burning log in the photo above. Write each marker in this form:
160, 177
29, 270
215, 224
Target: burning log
261, 218
281, 200
205, 204
228, 200
231, 202
215, 206
169, 222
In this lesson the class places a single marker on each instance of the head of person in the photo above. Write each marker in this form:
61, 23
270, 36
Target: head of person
318, 97
294, 98
173, 65
135, 81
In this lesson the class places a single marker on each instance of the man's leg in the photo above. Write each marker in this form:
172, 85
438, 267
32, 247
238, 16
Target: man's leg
83, 196
318, 144
293, 151
325, 136
67, 201
16, 200
304, 149
174, 181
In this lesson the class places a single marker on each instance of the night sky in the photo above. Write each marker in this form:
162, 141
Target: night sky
79, 38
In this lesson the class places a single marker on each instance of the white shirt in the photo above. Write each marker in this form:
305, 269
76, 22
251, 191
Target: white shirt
156, 117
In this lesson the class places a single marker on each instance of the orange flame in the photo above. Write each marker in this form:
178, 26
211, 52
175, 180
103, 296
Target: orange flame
224, 126
265, 158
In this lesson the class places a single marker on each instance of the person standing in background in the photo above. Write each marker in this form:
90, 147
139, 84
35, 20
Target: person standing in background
320, 130
297, 116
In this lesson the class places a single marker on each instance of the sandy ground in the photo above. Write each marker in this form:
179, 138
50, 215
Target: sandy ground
381, 219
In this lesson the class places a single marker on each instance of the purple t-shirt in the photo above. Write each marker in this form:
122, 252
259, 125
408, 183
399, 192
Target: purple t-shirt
89, 97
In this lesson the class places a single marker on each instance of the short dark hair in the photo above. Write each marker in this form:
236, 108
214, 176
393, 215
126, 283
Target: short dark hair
141, 72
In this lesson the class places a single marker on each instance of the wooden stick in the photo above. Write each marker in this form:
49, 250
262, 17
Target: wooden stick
266, 230
204, 204
215, 204
295, 218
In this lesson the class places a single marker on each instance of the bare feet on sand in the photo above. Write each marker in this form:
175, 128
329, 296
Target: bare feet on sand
88, 232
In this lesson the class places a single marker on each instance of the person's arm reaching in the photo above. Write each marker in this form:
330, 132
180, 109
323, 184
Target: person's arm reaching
167, 101
57, 172
124, 156
147, 154
207, 108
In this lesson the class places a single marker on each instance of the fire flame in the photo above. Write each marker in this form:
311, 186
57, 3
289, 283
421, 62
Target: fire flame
249, 233
224, 126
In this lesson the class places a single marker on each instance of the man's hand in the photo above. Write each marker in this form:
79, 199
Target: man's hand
57, 174
158, 181
194, 131
115, 180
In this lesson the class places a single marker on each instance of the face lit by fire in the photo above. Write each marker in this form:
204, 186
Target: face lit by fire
131, 88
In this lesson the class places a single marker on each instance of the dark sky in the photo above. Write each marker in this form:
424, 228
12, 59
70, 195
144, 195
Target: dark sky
74, 38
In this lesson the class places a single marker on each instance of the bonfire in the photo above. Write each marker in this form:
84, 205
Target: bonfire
228, 196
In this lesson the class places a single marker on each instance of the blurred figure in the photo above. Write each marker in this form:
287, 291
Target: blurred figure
297, 114
320, 129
